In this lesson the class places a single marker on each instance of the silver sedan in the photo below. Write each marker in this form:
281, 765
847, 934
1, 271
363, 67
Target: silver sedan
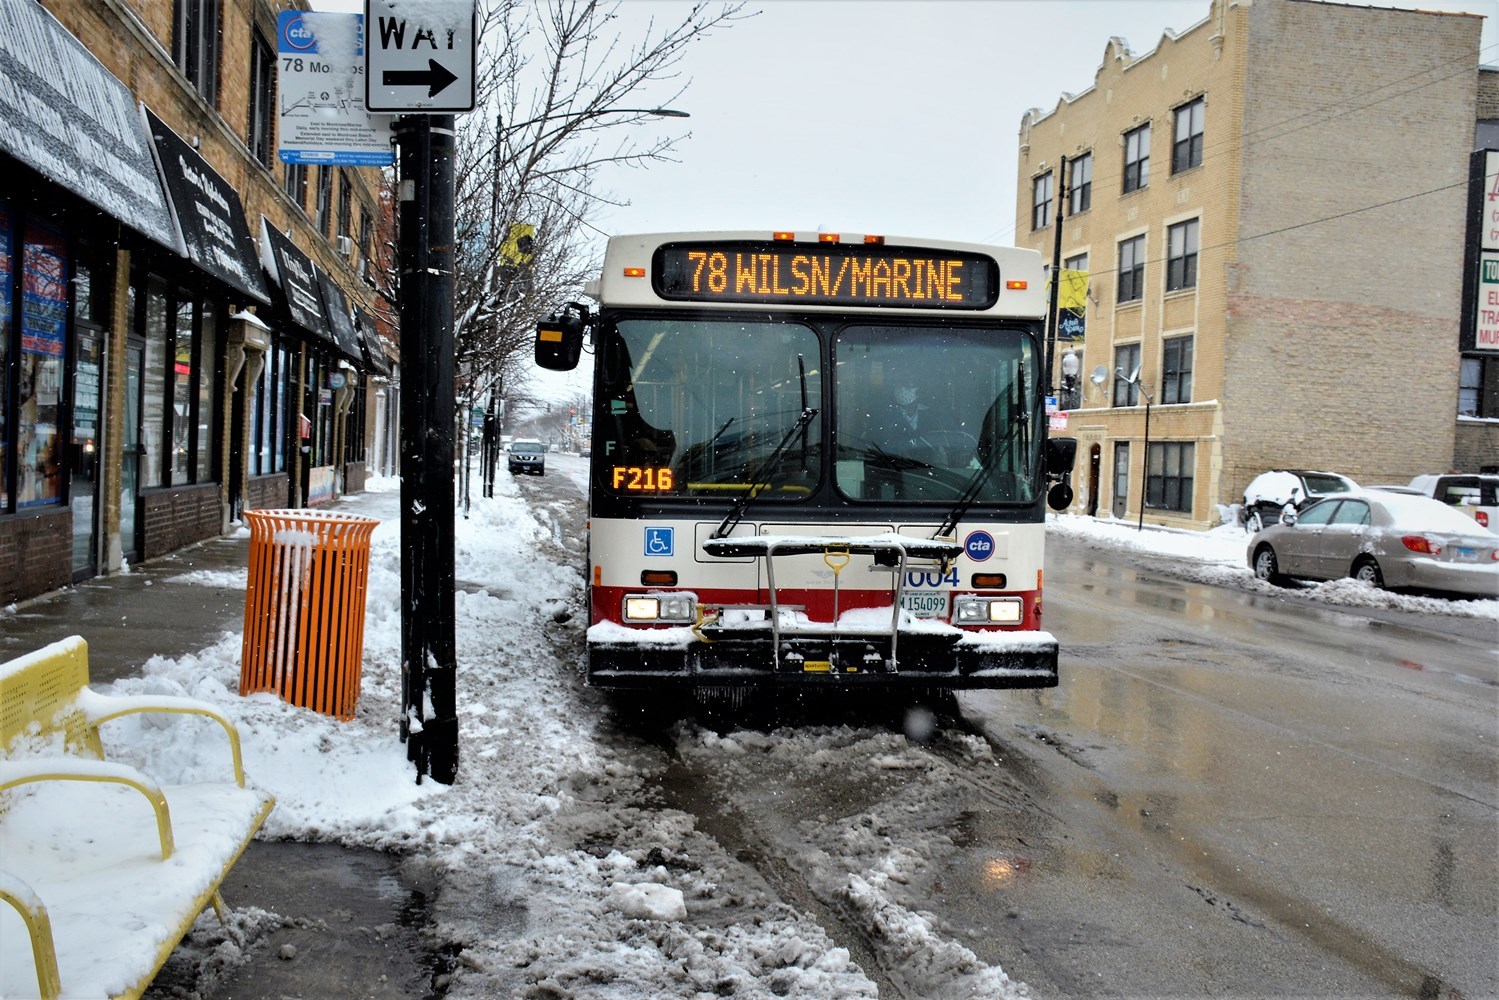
1388, 540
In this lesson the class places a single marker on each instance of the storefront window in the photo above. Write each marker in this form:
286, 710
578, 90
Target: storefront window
207, 363
6, 288
182, 394
283, 395
153, 415
44, 325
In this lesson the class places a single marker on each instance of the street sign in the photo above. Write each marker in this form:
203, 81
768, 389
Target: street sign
320, 93
421, 56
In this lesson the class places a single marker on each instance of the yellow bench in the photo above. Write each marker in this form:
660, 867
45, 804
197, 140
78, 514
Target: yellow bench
103, 868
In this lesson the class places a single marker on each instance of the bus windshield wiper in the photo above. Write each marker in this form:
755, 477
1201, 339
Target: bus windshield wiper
757, 483
987, 466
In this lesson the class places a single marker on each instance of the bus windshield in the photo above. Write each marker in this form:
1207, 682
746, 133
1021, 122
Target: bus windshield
925, 411
934, 413
696, 407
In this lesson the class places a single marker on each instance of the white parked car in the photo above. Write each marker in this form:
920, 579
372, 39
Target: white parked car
1269, 493
1474, 494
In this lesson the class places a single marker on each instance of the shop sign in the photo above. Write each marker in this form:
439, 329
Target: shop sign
293, 272
67, 117
1486, 309
340, 320
208, 212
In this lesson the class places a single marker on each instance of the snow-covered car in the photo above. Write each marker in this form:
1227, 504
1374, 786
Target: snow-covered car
1269, 493
1390, 540
1474, 494
528, 457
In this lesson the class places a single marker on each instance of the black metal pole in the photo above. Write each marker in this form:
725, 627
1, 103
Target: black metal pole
1056, 279
429, 718
1144, 464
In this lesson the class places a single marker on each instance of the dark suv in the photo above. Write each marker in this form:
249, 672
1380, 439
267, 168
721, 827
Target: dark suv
529, 457
1269, 492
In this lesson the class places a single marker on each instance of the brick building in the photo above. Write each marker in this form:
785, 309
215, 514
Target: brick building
186, 323
1272, 207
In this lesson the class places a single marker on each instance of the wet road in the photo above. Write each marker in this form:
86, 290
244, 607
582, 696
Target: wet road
1251, 795
1229, 794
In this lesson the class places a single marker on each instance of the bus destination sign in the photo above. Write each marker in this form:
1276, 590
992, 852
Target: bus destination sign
826, 274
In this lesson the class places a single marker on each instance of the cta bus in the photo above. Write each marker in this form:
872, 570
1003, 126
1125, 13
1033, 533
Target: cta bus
816, 460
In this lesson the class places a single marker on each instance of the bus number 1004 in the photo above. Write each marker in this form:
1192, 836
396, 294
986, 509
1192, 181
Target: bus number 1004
642, 478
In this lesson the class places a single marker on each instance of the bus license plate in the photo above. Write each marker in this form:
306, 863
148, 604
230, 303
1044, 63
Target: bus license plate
925, 603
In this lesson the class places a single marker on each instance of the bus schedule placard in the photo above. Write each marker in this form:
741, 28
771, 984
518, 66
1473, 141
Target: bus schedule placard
825, 274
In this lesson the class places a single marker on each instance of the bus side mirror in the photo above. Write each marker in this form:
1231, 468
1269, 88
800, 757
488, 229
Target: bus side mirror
559, 338
1061, 455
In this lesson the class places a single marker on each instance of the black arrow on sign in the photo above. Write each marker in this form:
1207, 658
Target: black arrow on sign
435, 78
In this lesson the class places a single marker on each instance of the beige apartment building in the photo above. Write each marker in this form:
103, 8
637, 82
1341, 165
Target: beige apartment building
1272, 206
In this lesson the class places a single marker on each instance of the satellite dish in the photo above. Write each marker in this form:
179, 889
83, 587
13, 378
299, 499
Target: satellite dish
1100, 376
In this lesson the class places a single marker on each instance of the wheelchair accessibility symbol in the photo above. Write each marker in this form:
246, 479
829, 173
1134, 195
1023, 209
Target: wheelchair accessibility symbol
659, 541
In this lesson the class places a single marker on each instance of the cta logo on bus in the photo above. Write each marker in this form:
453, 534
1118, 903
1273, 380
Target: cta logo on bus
979, 545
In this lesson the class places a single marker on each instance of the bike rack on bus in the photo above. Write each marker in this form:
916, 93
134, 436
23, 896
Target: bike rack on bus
768, 547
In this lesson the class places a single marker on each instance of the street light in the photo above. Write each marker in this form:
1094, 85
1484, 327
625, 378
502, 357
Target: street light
1070, 367
1134, 380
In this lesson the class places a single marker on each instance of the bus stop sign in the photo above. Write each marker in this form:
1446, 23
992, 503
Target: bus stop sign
420, 56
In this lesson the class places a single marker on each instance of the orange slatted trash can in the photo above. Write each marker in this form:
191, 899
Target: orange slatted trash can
304, 608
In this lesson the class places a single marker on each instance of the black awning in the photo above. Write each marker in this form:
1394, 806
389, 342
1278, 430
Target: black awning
208, 212
369, 339
340, 320
295, 278
73, 122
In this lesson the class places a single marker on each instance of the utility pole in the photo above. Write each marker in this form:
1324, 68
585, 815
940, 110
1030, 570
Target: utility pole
429, 668
1056, 279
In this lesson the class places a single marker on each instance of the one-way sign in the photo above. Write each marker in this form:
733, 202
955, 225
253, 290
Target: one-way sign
421, 55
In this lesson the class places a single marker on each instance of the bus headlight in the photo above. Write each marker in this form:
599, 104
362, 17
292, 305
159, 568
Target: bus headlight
660, 608
971, 609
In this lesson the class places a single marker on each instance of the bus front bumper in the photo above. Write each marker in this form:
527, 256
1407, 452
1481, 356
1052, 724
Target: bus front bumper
973, 661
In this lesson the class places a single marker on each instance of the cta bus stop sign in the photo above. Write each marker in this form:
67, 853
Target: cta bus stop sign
420, 57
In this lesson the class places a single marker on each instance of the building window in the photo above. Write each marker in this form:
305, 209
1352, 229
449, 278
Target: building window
345, 205
294, 182
1132, 269
324, 199
1181, 256
1121, 477
262, 98
269, 402
1080, 194
1176, 370
1137, 158
1186, 152
1041, 201
195, 44
1168, 484
1478, 388
1126, 361
366, 228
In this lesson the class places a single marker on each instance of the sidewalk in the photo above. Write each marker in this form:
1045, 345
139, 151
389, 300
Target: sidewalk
341, 922
176, 604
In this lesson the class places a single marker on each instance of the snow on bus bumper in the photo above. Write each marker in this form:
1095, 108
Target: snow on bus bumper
665, 657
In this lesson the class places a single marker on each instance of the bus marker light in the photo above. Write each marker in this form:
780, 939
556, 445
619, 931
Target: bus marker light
1016, 285
828, 237
989, 581
658, 578
878, 241
634, 272
783, 237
